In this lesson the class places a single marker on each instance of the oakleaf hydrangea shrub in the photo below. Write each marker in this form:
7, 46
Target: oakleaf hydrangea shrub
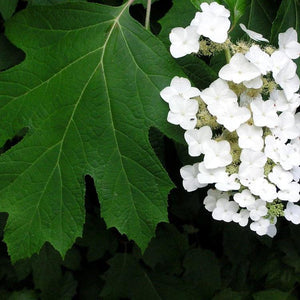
244, 126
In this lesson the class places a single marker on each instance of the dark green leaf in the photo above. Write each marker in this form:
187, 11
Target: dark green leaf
89, 97
166, 251
202, 268
271, 295
47, 273
23, 295
228, 294
9, 54
7, 8
288, 16
126, 279
180, 15
237, 9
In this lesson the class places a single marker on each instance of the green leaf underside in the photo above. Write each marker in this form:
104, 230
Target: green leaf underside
88, 91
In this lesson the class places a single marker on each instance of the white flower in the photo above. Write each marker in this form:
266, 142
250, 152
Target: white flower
189, 175
195, 139
255, 83
280, 177
290, 193
288, 79
289, 156
292, 213
225, 210
260, 226
228, 183
286, 127
260, 59
249, 173
288, 43
272, 230
241, 217
217, 154
217, 96
253, 158
239, 69
284, 104
273, 147
179, 87
250, 137
210, 175
253, 35
183, 41
257, 210
213, 22
183, 112
244, 199
279, 61
262, 188
211, 199
232, 116
264, 113
296, 173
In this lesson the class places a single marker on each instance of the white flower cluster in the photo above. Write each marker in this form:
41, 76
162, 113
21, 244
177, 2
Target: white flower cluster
245, 125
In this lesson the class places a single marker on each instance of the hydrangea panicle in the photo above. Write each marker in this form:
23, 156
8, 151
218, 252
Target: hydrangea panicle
244, 127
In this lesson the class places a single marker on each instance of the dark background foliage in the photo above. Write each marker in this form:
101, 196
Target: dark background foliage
193, 257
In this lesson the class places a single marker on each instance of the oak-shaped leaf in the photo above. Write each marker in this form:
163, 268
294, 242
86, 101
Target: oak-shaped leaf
87, 93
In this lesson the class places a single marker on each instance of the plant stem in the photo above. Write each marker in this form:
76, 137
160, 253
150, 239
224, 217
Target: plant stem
148, 10
227, 54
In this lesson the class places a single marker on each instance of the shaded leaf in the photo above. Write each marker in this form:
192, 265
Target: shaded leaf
271, 295
9, 55
228, 294
126, 279
258, 16
202, 268
7, 8
23, 295
166, 251
287, 16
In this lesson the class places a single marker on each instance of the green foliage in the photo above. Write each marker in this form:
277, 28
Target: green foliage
7, 8
82, 124
69, 128
287, 16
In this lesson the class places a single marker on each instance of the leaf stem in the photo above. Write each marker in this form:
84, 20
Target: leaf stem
148, 10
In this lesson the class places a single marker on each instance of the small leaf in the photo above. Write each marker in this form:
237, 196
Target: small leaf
7, 8
237, 9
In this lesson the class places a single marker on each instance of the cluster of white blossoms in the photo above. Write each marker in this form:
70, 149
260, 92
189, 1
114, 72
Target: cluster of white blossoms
244, 127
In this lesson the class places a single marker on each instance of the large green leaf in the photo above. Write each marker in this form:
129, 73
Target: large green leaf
88, 92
